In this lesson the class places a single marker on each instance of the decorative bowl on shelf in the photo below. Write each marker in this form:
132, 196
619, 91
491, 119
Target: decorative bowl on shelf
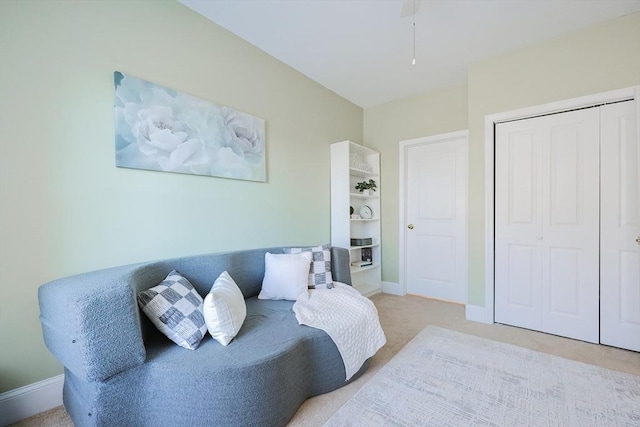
361, 241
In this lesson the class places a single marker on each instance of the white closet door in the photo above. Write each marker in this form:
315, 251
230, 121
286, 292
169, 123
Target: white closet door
518, 223
620, 226
547, 224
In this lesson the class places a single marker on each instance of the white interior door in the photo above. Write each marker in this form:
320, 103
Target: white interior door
620, 226
547, 224
436, 219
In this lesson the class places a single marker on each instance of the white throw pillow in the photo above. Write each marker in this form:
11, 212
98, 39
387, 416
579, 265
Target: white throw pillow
224, 309
286, 276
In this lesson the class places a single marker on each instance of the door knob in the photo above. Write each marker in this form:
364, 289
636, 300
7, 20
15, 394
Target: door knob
410, 227
638, 240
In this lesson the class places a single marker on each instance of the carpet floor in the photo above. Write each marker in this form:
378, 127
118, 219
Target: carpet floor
446, 378
402, 318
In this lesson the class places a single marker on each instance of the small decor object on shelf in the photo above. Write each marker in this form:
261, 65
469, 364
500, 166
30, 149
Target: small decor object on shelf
361, 241
366, 255
366, 212
366, 186
361, 264
351, 210
357, 162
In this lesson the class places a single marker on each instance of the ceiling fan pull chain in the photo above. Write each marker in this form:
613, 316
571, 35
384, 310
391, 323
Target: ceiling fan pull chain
414, 33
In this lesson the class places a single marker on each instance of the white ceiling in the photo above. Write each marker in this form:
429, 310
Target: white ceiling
362, 49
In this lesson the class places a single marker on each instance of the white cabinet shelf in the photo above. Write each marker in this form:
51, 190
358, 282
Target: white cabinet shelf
362, 196
363, 246
350, 164
355, 270
362, 173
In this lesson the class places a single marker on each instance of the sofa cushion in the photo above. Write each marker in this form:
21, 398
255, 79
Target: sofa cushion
175, 308
224, 309
285, 276
320, 269
269, 331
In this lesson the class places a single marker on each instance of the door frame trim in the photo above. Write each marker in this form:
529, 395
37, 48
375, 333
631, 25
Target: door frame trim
626, 94
402, 220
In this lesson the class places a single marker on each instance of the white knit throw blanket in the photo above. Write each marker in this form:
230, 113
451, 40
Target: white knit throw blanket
350, 319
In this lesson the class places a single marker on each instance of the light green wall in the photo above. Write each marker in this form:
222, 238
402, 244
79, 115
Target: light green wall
65, 208
596, 59
592, 60
440, 111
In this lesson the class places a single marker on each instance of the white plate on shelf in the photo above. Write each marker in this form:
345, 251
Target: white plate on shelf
366, 212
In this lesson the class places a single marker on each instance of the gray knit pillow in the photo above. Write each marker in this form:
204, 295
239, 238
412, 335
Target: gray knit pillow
320, 269
175, 308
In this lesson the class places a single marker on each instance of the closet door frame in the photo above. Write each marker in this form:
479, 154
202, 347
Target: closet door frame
626, 94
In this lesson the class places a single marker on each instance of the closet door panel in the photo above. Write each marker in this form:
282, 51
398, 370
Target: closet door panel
522, 178
570, 235
620, 226
564, 182
518, 224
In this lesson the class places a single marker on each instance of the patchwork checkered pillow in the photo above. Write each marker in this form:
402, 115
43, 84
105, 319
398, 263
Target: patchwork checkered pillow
320, 269
175, 308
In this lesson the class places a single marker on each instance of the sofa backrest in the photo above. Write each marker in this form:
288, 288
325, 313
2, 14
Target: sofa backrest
246, 267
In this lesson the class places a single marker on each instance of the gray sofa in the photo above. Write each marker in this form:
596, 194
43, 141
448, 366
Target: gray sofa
121, 371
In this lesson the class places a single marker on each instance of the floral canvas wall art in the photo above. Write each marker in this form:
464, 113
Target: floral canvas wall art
166, 130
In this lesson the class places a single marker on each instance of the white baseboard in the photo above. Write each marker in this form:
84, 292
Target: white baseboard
31, 399
476, 313
393, 289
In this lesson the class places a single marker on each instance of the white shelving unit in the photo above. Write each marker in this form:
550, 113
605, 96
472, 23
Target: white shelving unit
352, 163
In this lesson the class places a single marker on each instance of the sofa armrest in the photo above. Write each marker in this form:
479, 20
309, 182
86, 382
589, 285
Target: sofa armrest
90, 322
341, 265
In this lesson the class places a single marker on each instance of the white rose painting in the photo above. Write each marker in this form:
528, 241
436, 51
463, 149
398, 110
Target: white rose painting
165, 130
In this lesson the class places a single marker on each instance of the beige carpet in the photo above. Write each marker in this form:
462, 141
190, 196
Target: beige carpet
402, 319
446, 378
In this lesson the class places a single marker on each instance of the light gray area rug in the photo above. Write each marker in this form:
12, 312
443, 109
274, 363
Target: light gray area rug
447, 378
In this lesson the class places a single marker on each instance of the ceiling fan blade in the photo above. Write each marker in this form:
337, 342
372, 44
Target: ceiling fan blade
409, 7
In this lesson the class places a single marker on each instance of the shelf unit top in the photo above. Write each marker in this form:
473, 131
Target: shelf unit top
361, 149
